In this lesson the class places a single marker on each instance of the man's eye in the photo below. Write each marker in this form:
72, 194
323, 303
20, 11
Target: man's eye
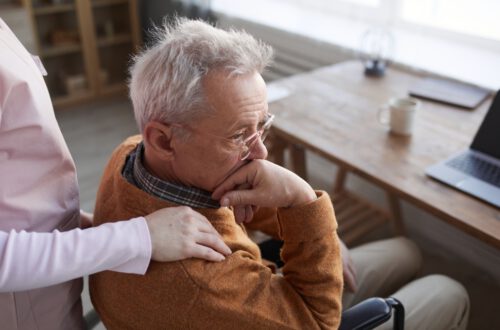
238, 137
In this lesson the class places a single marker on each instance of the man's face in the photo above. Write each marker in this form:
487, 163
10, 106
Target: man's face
212, 151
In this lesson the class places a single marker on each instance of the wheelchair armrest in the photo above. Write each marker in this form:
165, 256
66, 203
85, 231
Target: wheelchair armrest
368, 314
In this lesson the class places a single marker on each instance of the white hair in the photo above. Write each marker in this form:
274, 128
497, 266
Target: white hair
166, 79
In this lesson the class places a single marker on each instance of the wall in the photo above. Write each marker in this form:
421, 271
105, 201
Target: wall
293, 53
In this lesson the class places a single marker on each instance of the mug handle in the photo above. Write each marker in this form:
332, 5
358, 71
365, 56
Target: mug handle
382, 115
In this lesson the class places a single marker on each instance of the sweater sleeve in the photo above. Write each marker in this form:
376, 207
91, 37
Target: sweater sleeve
266, 221
31, 260
308, 296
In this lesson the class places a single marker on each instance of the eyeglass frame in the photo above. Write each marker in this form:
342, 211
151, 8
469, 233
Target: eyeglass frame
248, 143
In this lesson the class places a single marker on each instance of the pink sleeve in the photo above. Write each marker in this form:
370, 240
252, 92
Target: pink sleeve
34, 260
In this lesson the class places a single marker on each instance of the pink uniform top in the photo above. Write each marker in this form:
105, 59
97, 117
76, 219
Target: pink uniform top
42, 254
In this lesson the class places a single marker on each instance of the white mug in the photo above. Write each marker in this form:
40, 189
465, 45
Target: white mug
399, 114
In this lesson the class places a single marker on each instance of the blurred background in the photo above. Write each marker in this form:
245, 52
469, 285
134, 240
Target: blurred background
85, 45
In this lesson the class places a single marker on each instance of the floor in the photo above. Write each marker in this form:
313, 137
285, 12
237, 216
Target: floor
93, 131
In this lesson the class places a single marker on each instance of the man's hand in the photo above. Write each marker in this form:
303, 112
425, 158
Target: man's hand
179, 232
244, 213
348, 268
266, 184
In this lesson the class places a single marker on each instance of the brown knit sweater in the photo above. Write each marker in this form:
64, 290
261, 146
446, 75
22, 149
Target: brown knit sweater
238, 293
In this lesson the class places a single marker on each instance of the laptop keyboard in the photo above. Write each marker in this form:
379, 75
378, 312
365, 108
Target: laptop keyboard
477, 168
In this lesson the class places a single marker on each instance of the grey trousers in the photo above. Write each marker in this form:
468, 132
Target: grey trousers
389, 267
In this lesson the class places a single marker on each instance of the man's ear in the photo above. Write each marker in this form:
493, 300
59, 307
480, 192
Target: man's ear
158, 139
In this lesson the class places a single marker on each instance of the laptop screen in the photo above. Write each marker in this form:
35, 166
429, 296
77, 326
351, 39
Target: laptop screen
487, 139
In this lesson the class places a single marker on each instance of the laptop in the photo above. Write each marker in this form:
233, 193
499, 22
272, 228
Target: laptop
476, 171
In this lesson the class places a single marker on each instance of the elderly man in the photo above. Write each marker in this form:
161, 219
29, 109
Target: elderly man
200, 103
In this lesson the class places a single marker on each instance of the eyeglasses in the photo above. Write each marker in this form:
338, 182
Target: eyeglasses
245, 144
248, 144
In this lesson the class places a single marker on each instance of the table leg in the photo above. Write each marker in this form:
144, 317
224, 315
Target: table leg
277, 150
339, 183
298, 158
396, 214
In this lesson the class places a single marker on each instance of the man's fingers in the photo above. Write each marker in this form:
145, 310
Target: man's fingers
227, 185
239, 213
240, 197
240, 177
244, 213
253, 210
248, 213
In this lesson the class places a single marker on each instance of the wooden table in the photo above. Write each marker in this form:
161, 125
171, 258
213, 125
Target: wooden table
332, 112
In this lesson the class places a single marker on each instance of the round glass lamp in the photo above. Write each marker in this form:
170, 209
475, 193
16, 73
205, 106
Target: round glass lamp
376, 48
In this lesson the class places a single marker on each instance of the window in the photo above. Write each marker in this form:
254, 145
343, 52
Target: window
475, 18
350, 8
460, 19
459, 39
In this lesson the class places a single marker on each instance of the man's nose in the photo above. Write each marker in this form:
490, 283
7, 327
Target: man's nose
259, 150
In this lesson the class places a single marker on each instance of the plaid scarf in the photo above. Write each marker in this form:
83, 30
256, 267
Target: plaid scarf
135, 173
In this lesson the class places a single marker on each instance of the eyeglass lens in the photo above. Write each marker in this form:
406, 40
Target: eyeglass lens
262, 134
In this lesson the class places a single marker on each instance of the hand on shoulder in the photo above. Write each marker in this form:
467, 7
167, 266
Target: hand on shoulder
180, 232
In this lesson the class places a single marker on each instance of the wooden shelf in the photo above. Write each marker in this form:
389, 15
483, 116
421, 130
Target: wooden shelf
68, 100
54, 9
113, 89
84, 39
10, 6
105, 3
60, 50
114, 40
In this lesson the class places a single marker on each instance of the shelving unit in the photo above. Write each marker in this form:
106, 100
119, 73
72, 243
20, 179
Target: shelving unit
85, 46
53, 9
104, 3
51, 51
115, 41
